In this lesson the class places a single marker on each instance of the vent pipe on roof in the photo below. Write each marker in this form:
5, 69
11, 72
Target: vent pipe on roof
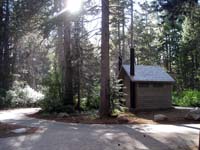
132, 61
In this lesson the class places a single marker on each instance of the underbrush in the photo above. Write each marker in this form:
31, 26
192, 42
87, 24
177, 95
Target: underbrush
22, 95
187, 98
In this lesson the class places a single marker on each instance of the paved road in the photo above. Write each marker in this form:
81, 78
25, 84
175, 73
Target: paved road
62, 136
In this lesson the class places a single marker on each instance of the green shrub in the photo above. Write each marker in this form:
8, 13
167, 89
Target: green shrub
93, 100
22, 95
3, 102
52, 101
117, 95
187, 98
51, 105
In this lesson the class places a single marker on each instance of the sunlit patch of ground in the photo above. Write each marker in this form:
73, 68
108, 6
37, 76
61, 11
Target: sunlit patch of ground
16, 113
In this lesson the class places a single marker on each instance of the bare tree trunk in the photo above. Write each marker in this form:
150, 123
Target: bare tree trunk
131, 24
60, 50
105, 71
119, 39
123, 34
6, 57
78, 65
61, 58
1, 43
68, 80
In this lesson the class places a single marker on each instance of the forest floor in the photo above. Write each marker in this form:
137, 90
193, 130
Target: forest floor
53, 135
175, 116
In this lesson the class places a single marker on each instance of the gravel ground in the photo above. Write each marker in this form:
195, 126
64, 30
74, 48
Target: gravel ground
65, 136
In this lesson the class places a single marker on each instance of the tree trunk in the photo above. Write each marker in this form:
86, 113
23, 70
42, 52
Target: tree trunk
105, 71
68, 80
123, 34
6, 51
119, 39
60, 49
131, 24
78, 58
1, 43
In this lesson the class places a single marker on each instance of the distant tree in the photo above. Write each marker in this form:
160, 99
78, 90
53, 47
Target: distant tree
145, 34
177, 52
189, 52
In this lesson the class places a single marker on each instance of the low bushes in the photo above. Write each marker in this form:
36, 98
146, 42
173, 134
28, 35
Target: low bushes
187, 98
22, 95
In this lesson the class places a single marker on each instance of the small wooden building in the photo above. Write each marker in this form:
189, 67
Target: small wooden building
147, 87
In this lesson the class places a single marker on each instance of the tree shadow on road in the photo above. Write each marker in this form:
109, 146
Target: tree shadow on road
68, 136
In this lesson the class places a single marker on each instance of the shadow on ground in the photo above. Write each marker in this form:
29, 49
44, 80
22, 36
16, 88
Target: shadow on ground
61, 136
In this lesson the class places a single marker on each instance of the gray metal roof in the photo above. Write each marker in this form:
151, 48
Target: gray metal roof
148, 74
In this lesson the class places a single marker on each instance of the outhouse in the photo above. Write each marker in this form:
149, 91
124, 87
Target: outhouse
146, 87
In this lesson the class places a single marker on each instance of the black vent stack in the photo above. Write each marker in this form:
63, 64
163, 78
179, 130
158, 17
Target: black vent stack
132, 61
132, 84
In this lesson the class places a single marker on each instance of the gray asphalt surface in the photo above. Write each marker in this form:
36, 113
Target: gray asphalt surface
65, 136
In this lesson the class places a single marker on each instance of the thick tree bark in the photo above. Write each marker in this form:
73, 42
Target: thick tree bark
60, 50
5, 49
1, 43
105, 75
78, 65
131, 24
123, 34
119, 39
68, 80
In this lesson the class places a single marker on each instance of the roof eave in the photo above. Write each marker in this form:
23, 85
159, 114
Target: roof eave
172, 82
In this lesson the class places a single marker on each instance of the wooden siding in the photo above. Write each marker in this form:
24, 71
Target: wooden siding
154, 97
150, 97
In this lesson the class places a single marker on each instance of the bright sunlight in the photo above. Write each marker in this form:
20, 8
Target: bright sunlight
73, 5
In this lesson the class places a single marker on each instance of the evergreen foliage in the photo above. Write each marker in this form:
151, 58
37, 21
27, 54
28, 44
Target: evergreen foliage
62, 57
187, 98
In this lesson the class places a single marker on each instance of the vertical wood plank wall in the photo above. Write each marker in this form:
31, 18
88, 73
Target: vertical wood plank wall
154, 97
149, 97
